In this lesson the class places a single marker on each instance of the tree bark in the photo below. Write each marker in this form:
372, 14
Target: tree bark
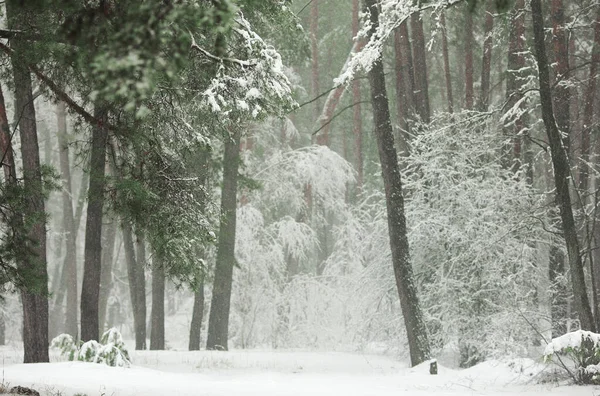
421, 86
109, 236
402, 94
357, 131
486, 62
314, 51
134, 269
449, 94
561, 173
588, 110
92, 265
413, 319
469, 93
35, 303
218, 321
514, 82
157, 315
197, 315
70, 263
10, 179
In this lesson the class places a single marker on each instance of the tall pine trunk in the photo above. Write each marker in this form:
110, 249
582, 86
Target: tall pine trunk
70, 263
561, 173
15, 220
446, 57
137, 286
109, 236
218, 321
35, 302
157, 315
92, 263
409, 302
197, 315
469, 93
421, 85
486, 62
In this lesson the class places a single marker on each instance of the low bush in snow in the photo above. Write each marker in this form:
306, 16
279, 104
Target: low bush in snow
110, 350
582, 349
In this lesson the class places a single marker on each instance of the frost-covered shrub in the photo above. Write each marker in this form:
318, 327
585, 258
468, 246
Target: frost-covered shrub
110, 350
582, 349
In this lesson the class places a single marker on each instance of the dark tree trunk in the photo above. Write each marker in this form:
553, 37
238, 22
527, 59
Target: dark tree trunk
314, 51
588, 110
92, 264
413, 319
449, 94
35, 303
10, 179
357, 131
486, 62
218, 321
70, 264
157, 315
469, 93
562, 104
561, 173
421, 85
402, 94
109, 236
514, 82
197, 315
135, 273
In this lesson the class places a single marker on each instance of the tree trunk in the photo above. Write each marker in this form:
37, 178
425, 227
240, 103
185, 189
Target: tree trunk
562, 104
70, 264
588, 110
218, 321
197, 314
10, 178
469, 60
420, 68
514, 82
446, 63
35, 303
109, 236
357, 116
92, 264
561, 173
413, 319
157, 315
402, 94
133, 276
486, 63
314, 51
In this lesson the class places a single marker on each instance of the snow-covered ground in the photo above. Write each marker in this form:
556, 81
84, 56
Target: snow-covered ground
267, 373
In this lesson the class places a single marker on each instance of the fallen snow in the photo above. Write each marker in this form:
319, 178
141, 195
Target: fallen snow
268, 373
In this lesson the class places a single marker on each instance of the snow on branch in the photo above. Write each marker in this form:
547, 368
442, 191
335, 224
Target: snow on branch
393, 14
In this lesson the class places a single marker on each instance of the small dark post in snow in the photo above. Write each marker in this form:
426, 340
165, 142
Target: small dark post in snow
433, 369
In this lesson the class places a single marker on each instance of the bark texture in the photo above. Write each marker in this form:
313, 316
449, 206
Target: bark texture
92, 265
218, 321
35, 303
413, 319
157, 315
70, 263
561, 173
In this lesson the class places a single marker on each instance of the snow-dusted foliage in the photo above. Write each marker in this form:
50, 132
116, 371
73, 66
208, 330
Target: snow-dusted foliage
582, 348
254, 86
476, 232
393, 13
110, 350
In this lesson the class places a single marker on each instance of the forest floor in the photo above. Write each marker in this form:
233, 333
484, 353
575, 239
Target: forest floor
266, 373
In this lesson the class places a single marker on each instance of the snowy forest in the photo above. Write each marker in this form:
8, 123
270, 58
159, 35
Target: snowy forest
291, 197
